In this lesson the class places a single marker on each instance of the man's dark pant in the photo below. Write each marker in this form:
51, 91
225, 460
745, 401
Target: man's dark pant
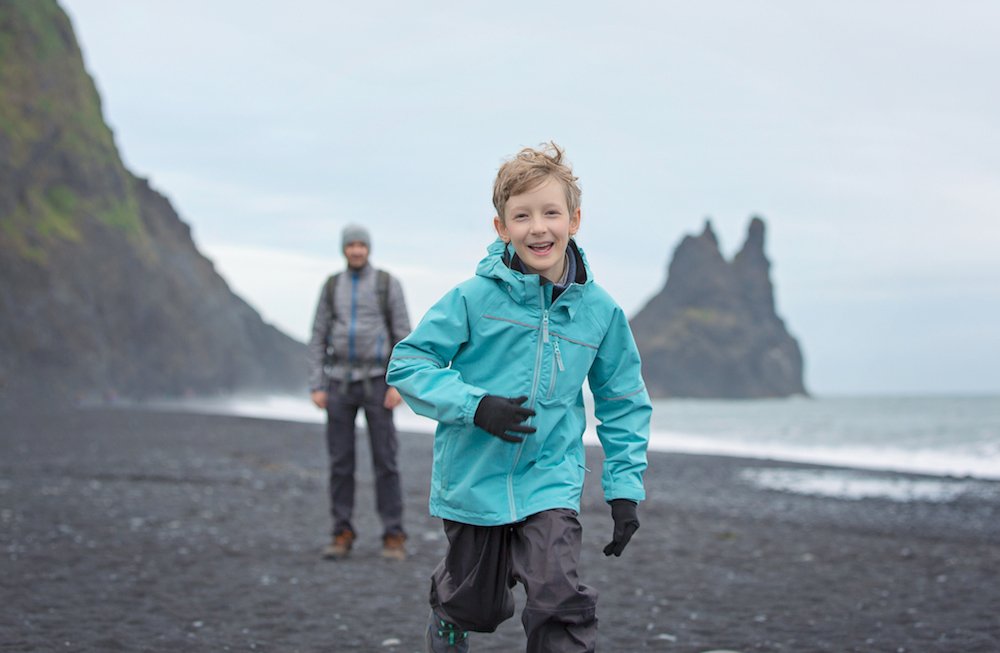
341, 412
471, 586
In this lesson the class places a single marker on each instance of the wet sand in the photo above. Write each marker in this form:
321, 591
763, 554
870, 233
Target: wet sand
130, 530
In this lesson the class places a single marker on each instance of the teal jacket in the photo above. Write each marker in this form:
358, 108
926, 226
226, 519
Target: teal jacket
500, 333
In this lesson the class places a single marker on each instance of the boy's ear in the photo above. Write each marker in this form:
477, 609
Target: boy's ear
574, 222
501, 229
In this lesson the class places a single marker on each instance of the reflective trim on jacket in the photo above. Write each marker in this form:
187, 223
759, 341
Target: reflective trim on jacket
499, 333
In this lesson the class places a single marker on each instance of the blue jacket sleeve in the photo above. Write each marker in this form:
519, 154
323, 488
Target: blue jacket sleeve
420, 364
623, 410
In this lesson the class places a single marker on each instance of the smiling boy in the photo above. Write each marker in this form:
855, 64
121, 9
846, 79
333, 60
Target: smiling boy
499, 362
539, 227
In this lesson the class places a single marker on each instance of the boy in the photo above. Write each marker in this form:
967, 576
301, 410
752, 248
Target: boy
500, 362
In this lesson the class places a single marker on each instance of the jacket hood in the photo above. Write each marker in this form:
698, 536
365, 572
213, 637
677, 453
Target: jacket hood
497, 265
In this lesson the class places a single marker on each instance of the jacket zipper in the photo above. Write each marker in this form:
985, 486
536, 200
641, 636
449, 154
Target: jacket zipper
354, 317
531, 400
557, 366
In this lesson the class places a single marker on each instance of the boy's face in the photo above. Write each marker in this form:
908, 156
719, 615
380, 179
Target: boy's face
538, 223
356, 254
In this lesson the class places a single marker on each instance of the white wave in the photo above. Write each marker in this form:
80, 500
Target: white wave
743, 429
845, 484
980, 462
283, 407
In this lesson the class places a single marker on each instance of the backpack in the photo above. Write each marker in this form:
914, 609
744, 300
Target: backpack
381, 290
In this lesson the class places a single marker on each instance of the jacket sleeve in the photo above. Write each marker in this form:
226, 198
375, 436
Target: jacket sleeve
318, 342
623, 410
420, 367
398, 315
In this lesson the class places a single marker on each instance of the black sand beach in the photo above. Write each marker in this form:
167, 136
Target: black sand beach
128, 530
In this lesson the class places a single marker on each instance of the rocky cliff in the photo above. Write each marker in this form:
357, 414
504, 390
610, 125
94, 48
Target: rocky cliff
712, 331
102, 290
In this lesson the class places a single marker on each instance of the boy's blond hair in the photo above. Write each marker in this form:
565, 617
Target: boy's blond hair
529, 169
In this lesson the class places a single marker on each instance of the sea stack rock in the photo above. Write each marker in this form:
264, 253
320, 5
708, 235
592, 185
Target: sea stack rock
712, 331
102, 291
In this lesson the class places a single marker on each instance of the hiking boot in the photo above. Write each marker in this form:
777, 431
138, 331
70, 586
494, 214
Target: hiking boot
445, 637
393, 547
340, 547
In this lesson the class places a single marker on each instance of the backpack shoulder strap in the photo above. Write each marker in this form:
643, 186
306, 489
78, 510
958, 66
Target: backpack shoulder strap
382, 289
331, 294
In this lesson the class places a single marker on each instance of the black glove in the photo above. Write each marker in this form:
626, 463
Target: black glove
623, 511
498, 415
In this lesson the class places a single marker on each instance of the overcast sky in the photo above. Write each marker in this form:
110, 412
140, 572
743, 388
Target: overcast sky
865, 133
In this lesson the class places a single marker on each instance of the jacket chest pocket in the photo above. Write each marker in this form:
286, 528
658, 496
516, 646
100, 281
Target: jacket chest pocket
569, 360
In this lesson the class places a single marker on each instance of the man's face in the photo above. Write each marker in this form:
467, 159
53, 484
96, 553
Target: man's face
356, 254
538, 223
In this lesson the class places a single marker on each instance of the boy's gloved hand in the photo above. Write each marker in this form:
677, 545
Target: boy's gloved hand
623, 511
498, 415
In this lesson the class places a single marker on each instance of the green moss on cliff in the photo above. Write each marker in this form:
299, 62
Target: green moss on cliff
40, 218
44, 19
6, 43
123, 215
53, 136
700, 315
56, 214
45, 92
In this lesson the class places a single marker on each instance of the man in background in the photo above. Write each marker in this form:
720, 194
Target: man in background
360, 316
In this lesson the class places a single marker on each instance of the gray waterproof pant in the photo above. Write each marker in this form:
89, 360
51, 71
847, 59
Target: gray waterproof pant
341, 411
471, 586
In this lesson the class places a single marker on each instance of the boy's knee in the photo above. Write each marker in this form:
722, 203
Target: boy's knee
568, 625
565, 601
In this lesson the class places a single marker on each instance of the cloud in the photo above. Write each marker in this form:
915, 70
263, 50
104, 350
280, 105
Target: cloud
870, 152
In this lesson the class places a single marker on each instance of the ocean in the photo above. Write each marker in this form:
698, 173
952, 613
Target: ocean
952, 437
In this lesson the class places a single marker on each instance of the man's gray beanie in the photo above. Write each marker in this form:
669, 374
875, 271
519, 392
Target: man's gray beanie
355, 233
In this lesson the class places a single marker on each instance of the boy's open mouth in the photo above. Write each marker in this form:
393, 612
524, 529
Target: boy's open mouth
541, 248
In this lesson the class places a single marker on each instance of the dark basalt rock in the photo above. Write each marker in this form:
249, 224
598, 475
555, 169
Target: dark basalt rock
102, 290
712, 331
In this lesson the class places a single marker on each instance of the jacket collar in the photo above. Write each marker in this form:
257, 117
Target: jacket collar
364, 270
524, 287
